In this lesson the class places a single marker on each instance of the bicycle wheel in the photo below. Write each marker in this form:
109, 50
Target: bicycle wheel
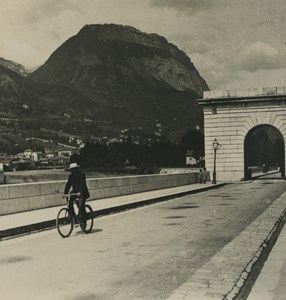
64, 222
86, 223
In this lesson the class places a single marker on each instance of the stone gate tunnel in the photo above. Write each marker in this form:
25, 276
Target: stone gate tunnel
250, 126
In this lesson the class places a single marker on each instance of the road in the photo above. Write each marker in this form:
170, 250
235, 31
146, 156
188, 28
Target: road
145, 253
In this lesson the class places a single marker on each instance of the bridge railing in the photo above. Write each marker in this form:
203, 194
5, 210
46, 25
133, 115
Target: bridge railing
252, 92
16, 198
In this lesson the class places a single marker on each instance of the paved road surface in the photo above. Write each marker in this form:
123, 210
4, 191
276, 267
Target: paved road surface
145, 253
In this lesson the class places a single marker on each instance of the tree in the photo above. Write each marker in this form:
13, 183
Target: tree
193, 140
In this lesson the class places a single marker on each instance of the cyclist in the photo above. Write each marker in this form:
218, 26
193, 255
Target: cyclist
76, 183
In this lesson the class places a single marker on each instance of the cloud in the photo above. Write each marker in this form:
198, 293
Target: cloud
220, 36
33, 29
259, 56
183, 5
47, 9
217, 73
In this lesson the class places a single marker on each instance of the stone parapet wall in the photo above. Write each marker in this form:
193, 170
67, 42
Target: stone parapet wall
16, 198
178, 170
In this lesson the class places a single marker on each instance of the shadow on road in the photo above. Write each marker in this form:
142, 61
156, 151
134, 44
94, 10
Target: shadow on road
95, 230
184, 207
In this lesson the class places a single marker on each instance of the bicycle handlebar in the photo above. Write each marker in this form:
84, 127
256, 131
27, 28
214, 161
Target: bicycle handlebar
68, 196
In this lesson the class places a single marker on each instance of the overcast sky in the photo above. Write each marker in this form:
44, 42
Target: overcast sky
232, 43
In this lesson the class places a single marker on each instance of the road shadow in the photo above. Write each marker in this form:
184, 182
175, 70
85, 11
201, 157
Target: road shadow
175, 217
87, 296
14, 259
183, 207
95, 230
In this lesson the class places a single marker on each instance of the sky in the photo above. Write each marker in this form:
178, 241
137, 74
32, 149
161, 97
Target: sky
234, 44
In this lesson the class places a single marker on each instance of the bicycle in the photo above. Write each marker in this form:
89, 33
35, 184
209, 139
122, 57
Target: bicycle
65, 221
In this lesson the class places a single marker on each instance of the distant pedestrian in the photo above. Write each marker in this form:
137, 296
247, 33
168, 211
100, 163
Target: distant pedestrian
282, 170
263, 168
266, 168
201, 176
205, 175
249, 174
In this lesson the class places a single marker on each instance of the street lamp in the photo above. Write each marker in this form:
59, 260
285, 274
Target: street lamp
216, 147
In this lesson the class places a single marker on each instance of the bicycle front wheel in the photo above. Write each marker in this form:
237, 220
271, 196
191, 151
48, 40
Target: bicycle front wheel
86, 222
64, 222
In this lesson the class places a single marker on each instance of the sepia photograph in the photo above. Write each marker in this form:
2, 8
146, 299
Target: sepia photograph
142, 149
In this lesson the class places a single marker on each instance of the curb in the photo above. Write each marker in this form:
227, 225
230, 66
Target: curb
256, 263
228, 274
40, 226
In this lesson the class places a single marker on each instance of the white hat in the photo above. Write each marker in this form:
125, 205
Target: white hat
73, 166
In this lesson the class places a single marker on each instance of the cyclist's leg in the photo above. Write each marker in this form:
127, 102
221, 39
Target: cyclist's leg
88, 224
82, 210
71, 209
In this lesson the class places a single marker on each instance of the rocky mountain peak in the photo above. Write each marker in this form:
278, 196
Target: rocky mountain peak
15, 67
111, 53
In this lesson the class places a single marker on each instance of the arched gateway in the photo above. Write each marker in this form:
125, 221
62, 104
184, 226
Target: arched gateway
250, 126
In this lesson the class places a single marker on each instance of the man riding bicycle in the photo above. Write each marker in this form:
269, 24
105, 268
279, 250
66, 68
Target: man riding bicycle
77, 184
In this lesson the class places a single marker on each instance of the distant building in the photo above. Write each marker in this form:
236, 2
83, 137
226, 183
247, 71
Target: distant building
36, 156
190, 160
67, 153
28, 153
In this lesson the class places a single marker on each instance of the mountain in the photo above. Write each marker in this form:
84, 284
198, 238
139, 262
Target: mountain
104, 82
17, 68
23, 98
125, 54
29, 110
15, 94
135, 79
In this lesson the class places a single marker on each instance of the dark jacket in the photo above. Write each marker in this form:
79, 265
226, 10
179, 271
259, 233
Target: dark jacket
77, 182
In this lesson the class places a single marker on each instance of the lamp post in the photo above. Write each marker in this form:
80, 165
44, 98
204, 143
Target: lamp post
216, 147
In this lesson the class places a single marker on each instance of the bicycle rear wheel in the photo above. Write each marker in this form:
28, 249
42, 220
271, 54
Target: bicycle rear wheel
86, 223
64, 222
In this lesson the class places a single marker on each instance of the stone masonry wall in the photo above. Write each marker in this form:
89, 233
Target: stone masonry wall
30, 196
229, 123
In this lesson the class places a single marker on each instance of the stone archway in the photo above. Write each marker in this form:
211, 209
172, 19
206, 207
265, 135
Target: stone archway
229, 116
264, 146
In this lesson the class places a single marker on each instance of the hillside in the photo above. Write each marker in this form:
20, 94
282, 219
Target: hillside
103, 82
109, 54
15, 67
136, 79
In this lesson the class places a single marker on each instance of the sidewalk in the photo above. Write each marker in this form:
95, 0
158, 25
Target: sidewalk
225, 276
270, 284
261, 174
25, 222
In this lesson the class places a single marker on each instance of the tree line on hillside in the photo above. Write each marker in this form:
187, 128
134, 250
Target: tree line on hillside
158, 154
